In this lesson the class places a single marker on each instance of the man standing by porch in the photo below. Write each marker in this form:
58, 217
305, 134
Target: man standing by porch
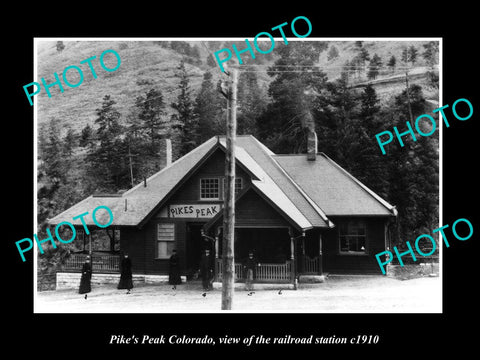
250, 266
206, 270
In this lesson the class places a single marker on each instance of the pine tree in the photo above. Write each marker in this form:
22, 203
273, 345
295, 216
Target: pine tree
106, 157
374, 67
412, 52
151, 112
336, 121
431, 58
208, 109
251, 103
60, 46
69, 142
346, 72
57, 187
431, 53
283, 124
371, 167
391, 63
86, 136
332, 53
413, 170
405, 57
184, 108
53, 165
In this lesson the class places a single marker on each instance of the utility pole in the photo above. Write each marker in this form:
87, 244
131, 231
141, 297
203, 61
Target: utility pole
130, 163
228, 275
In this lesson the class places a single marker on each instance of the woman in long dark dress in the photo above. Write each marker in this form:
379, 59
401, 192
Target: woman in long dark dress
126, 281
206, 270
174, 273
85, 286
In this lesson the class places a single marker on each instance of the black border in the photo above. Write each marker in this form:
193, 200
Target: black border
406, 333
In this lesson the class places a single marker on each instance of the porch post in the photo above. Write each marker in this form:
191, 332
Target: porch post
292, 258
292, 248
217, 239
90, 245
302, 259
320, 262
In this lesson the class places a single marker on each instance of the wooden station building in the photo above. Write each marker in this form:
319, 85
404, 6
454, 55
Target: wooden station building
300, 214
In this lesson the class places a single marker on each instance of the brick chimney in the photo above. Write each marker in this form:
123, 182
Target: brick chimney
312, 145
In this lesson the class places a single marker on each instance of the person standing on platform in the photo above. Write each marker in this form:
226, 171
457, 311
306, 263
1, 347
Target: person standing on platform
206, 271
126, 281
250, 267
174, 277
85, 285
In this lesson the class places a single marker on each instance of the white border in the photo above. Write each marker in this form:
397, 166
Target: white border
346, 39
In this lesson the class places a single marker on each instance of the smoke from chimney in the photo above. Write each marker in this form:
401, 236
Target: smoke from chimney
165, 153
312, 145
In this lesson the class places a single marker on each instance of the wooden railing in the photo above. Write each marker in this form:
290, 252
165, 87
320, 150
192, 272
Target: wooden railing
274, 272
105, 263
310, 265
264, 272
219, 270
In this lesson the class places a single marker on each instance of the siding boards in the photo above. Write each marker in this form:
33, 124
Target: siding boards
189, 192
132, 242
334, 262
252, 210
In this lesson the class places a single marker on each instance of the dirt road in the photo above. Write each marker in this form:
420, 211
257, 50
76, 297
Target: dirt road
344, 294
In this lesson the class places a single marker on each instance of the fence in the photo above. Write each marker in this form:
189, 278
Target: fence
264, 272
219, 270
105, 263
310, 265
275, 272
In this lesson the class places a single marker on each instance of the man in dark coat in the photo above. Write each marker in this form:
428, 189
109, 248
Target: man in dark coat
85, 286
206, 270
250, 267
174, 271
126, 281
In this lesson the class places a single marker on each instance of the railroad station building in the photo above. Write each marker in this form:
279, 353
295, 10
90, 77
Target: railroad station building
302, 215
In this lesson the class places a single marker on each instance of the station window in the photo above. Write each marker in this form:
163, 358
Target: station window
165, 240
352, 236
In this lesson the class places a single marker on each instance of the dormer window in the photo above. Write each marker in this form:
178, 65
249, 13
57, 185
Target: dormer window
210, 189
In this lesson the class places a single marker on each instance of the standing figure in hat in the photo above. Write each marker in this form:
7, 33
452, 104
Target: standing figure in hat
126, 281
174, 271
206, 270
85, 286
250, 267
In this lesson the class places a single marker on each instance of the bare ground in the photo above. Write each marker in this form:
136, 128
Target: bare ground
340, 294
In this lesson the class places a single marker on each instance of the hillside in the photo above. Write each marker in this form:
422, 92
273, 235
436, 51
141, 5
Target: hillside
149, 64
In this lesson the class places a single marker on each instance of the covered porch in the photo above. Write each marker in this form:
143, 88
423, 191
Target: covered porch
281, 256
103, 248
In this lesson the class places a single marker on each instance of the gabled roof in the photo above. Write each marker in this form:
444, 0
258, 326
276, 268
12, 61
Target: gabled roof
332, 188
306, 191
140, 201
265, 159
270, 190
